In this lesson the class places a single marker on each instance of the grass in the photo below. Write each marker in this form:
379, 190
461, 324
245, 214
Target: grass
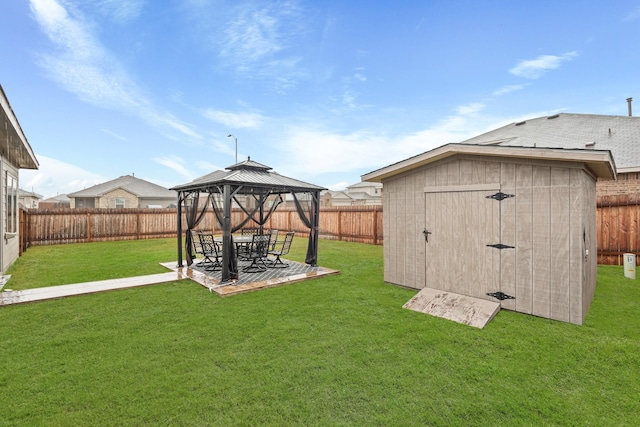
334, 351
42, 266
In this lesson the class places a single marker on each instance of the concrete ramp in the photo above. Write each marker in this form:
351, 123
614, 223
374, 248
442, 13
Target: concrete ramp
459, 308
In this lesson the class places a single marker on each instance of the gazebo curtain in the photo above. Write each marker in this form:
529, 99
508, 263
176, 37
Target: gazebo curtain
194, 215
308, 213
218, 210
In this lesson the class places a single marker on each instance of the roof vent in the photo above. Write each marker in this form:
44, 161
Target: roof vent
555, 116
521, 123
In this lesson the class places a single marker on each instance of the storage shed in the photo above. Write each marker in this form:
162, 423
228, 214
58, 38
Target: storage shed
513, 225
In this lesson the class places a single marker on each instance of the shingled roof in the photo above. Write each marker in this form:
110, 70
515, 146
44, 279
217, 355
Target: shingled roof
618, 134
139, 187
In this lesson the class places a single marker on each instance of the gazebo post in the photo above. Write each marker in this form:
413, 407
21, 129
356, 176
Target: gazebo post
179, 222
226, 234
316, 225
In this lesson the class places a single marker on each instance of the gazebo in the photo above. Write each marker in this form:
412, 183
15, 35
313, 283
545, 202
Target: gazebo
257, 191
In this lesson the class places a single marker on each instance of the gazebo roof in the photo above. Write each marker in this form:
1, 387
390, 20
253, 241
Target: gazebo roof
252, 176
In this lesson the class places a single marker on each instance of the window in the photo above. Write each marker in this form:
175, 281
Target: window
119, 202
11, 203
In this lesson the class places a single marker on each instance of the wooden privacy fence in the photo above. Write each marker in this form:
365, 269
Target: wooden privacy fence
618, 224
55, 226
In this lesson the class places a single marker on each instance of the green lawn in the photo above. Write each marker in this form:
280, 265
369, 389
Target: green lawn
334, 351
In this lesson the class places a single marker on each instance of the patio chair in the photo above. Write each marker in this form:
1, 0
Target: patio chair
249, 231
195, 243
211, 252
273, 240
282, 250
258, 251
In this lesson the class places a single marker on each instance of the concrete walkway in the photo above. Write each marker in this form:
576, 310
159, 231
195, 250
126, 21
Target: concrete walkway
9, 297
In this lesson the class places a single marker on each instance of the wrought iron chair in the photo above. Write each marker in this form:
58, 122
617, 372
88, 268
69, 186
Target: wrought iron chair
258, 251
273, 240
211, 252
195, 243
249, 231
282, 250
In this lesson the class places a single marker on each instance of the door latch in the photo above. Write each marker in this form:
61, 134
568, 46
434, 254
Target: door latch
426, 235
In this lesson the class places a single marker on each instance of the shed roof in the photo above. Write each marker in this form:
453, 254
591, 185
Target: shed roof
618, 134
253, 176
136, 186
600, 162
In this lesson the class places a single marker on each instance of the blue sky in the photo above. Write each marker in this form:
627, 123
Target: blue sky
322, 91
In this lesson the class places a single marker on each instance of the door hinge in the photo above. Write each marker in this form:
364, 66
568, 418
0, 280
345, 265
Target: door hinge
500, 295
501, 246
500, 196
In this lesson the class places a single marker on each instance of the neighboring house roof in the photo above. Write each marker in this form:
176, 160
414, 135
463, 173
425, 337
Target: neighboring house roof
21, 154
25, 193
139, 187
361, 195
618, 134
60, 198
364, 185
339, 195
600, 162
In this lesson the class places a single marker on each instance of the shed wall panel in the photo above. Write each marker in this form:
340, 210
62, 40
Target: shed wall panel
560, 244
591, 267
541, 241
577, 262
491, 172
524, 238
508, 234
391, 262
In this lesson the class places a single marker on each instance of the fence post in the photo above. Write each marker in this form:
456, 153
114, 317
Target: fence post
375, 226
88, 227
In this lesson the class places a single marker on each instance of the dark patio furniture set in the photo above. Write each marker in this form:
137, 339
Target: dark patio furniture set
258, 251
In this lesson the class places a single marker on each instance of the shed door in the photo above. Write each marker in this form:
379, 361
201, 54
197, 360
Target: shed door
460, 225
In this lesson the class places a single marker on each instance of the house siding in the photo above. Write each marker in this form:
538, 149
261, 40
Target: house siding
626, 184
108, 200
10, 244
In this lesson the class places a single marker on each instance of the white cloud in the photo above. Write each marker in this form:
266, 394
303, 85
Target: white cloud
509, 88
80, 63
208, 167
115, 135
470, 109
360, 77
85, 68
176, 164
327, 152
339, 186
535, 68
55, 177
255, 39
235, 120
121, 11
